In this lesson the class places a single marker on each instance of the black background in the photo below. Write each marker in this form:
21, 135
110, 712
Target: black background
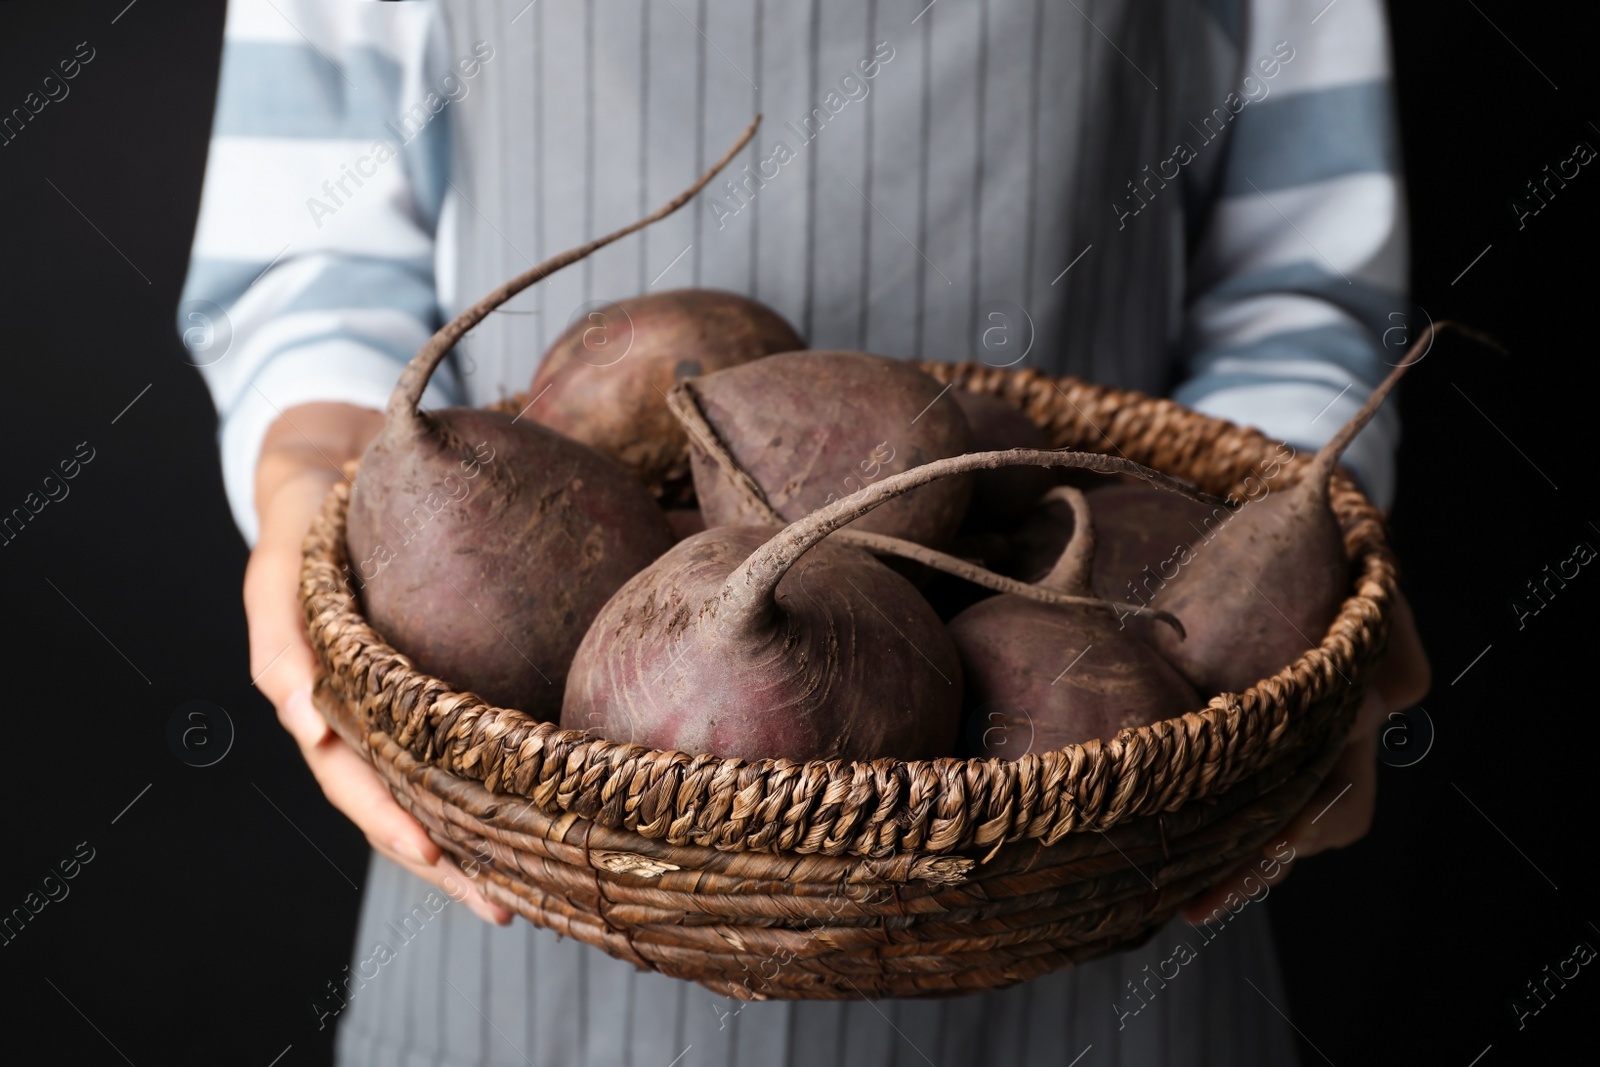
224, 898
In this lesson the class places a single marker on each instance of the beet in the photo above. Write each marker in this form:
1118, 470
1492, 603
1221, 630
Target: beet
1130, 518
805, 428
685, 522
1031, 549
1266, 587
604, 381
1000, 498
484, 545
791, 669
1141, 532
742, 642
916, 560
1041, 677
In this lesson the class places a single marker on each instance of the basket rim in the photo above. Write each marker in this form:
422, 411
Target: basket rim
886, 806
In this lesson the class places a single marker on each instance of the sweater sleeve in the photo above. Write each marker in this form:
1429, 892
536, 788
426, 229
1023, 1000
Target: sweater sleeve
311, 277
1296, 303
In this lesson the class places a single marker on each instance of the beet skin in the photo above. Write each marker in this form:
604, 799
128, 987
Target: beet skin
604, 381
811, 427
492, 591
848, 662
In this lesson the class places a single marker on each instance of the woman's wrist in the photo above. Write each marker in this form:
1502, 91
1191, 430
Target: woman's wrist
305, 449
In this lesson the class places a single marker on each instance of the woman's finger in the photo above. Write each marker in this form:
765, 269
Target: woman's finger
281, 660
353, 787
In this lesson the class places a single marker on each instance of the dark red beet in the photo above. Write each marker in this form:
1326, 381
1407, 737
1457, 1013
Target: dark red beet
809, 427
684, 522
798, 674
492, 592
1267, 586
605, 380
1141, 534
920, 560
1041, 677
1032, 549
742, 642
484, 545
912, 559
1137, 529
1000, 498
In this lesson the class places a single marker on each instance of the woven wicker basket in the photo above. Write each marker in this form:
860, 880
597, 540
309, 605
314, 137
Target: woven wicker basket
846, 880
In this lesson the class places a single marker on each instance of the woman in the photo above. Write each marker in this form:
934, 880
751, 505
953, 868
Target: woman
1200, 199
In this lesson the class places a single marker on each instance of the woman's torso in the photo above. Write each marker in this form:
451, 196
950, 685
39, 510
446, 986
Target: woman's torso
928, 210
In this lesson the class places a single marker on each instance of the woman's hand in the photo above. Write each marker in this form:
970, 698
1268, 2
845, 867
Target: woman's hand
297, 468
1340, 812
